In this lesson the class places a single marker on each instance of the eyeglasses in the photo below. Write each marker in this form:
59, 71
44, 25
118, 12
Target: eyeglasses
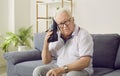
67, 22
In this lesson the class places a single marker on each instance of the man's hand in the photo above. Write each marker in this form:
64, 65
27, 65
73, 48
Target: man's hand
55, 72
48, 35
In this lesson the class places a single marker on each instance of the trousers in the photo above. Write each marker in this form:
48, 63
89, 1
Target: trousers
42, 71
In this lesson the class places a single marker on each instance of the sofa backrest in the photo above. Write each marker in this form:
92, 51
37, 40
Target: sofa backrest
117, 62
105, 49
39, 40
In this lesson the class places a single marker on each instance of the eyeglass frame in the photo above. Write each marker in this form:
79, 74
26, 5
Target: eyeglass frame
67, 22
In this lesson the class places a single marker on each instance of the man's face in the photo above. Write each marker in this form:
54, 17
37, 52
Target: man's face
65, 24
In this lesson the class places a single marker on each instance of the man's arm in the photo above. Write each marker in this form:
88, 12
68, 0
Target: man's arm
80, 64
46, 55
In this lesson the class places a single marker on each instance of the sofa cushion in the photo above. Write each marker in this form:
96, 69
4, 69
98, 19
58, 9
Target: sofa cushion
39, 40
117, 62
26, 68
105, 49
101, 71
114, 73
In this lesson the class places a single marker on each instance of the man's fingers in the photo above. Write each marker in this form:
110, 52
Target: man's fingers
49, 73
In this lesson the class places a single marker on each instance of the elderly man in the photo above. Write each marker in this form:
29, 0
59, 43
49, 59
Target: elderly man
73, 50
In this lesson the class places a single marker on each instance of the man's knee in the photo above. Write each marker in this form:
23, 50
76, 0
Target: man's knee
78, 73
40, 71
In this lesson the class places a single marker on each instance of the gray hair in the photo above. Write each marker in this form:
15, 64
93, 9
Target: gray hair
62, 10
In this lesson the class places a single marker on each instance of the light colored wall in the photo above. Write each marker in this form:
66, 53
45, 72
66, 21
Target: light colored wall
3, 16
98, 16
22, 13
33, 14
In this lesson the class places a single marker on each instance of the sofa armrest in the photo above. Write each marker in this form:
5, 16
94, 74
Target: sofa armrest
17, 57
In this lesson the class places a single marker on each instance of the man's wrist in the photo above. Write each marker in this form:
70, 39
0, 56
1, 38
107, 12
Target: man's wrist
66, 69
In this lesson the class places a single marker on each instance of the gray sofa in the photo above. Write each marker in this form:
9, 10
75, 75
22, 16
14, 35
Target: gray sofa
106, 57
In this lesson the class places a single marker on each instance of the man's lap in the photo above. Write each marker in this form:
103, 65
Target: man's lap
46, 68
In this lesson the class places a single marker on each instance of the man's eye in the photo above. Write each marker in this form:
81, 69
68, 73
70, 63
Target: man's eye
61, 23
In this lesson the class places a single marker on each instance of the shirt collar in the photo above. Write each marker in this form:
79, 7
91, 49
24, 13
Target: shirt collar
76, 30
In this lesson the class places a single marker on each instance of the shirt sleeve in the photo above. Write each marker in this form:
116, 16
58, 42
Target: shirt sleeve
85, 45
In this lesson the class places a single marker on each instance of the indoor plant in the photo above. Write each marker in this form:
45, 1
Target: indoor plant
22, 38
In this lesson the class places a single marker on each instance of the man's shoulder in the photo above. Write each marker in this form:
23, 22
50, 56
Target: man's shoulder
83, 32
